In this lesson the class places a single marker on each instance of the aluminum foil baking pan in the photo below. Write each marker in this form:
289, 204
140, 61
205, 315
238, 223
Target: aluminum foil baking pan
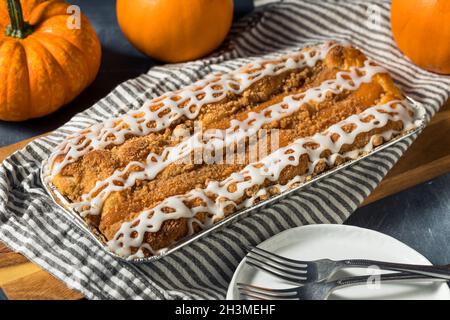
94, 233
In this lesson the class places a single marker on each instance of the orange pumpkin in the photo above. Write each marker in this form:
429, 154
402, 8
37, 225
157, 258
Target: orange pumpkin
45, 61
175, 30
421, 29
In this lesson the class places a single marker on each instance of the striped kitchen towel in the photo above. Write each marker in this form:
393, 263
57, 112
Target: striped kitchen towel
33, 226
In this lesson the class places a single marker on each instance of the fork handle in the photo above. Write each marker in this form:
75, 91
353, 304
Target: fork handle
442, 272
350, 281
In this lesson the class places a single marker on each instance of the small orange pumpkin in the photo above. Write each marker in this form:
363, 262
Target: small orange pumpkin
421, 29
175, 30
44, 61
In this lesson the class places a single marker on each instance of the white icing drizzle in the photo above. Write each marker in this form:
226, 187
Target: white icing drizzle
131, 234
172, 106
120, 180
160, 113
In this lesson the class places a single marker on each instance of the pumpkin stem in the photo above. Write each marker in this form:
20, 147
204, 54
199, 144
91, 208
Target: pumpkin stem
18, 27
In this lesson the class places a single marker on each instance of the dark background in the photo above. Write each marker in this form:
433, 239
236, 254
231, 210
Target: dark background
419, 216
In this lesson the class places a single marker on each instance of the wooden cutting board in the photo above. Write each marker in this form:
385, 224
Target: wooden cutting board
428, 158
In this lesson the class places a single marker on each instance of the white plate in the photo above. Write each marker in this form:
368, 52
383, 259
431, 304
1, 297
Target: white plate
343, 242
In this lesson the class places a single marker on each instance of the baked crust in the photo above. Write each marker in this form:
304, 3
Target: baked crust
80, 176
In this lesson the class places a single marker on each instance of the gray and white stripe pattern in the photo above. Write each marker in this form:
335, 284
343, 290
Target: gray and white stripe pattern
32, 225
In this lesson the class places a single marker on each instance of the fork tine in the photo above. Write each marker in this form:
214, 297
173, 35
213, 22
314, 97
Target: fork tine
278, 264
296, 273
280, 291
276, 273
245, 294
258, 292
273, 256
258, 296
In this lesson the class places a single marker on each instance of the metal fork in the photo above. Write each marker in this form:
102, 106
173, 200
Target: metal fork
318, 290
302, 272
